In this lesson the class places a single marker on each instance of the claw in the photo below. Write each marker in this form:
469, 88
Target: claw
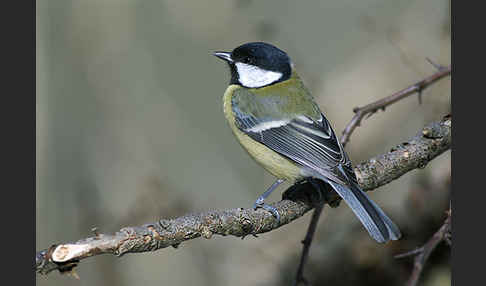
260, 204
273, 210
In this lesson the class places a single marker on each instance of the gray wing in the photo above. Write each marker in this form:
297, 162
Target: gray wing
314, 145
310, 143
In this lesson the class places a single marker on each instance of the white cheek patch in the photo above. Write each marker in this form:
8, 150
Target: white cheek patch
253, 77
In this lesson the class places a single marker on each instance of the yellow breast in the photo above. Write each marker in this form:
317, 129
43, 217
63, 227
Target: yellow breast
273, 162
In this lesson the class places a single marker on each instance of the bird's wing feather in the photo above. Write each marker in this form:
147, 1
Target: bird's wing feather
309, 141
303, 138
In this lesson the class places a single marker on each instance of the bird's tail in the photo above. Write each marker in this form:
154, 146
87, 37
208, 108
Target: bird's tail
376, 222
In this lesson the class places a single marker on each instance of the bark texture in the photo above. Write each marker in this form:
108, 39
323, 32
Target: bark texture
431, 141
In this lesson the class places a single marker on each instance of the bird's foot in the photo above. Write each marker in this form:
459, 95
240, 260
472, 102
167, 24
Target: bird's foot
273, 210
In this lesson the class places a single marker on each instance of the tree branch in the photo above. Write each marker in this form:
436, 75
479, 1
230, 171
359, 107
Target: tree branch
432, 141
423, 253
370, 109
306, 245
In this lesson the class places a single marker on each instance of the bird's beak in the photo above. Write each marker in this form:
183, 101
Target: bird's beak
224, 56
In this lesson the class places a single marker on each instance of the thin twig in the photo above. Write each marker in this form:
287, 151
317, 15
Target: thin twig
370, 109
360, 113
307, 243
435, 65
421, 258
432, 140
423, 253
410, 253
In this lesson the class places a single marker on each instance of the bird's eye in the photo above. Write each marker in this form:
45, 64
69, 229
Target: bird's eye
247, 60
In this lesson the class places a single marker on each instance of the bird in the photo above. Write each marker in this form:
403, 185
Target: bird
276, 120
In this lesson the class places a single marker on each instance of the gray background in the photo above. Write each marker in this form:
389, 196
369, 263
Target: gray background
130, 128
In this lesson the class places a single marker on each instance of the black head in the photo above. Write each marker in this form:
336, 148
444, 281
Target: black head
257, 64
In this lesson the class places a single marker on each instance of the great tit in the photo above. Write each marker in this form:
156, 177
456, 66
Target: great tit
276, 120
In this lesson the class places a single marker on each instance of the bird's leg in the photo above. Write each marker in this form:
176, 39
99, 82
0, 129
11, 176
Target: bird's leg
259, 203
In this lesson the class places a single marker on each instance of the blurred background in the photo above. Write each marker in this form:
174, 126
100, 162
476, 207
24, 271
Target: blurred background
130, 129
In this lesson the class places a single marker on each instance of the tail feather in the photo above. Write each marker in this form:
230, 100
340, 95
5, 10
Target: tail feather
376, 222
392, 228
